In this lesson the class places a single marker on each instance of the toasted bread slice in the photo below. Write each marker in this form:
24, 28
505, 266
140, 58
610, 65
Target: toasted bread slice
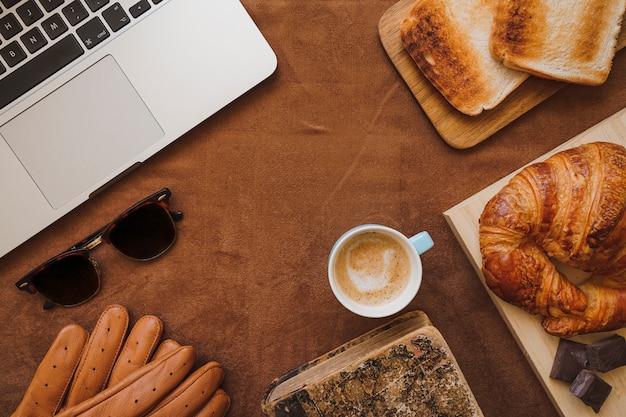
449, 42
572, 41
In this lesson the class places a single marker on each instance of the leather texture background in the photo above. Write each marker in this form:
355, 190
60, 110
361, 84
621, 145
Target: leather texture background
331, 140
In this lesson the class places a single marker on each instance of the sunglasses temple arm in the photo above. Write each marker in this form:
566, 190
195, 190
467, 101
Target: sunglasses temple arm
24, 284
176, 215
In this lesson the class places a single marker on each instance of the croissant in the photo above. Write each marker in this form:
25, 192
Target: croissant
570, 208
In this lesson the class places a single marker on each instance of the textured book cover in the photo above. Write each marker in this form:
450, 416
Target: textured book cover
403, 368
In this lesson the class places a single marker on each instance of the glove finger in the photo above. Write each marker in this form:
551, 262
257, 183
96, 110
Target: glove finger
141, 390
164, 348
139, 346
192, 394
218, 405
100, 354
44, 394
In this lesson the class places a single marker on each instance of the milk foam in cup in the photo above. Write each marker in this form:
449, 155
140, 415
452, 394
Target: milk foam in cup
376, 271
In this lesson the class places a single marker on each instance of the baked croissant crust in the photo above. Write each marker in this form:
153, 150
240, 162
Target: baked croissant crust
571, 208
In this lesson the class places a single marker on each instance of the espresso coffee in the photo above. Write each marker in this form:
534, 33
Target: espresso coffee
372, 268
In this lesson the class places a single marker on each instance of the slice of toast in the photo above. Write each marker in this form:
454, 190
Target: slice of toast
572, 41
449, 42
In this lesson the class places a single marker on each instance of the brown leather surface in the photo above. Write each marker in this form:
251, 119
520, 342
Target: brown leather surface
332, 140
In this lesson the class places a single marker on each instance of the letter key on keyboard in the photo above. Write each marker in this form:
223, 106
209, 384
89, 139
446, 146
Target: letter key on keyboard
29, 12
9, 26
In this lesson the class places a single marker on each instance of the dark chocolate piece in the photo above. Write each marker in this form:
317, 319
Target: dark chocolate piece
570, 358
607, 354
591, 389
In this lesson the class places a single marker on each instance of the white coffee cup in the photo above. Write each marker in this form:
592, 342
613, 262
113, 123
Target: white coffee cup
376, 271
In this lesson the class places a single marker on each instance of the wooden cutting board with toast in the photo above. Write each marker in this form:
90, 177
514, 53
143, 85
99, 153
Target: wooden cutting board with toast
538, 346
457, 129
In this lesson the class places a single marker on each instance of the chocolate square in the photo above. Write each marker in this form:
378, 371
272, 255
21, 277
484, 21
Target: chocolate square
591, 389
607, 354
570, 358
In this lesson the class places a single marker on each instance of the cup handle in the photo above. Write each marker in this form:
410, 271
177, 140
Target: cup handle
422, 242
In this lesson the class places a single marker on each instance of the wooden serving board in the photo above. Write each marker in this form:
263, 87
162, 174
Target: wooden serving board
538, 346
457, 129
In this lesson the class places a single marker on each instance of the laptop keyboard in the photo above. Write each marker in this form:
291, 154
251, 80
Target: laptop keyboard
40, 37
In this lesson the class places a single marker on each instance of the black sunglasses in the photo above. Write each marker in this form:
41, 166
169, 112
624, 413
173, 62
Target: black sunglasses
143, 232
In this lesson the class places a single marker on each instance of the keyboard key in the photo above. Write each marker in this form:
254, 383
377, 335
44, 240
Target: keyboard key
50, 5
34, 40
13, 54
2, 69
95, 5
116, 17
29, 12
92, 32
54, 26
9, 26
139, 8
39, 68
10, 3
75, 12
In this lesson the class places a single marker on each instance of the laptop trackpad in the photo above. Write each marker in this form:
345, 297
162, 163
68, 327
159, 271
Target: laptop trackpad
93, 125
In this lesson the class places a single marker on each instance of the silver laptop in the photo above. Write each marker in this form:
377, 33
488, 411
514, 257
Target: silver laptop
91, 88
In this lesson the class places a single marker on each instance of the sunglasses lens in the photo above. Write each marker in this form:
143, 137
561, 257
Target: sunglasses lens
68, 281
145, 233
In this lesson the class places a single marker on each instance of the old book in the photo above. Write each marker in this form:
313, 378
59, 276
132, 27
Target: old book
403, 368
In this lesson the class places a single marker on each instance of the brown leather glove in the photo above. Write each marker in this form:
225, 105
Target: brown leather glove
109, 374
